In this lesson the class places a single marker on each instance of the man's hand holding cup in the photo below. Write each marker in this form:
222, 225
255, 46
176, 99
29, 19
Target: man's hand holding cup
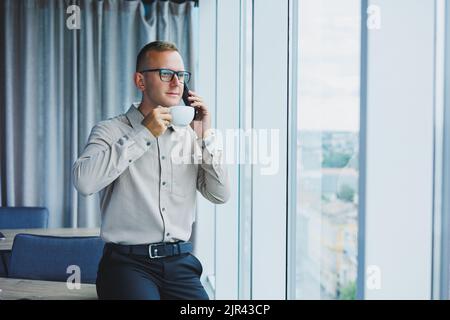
157, 121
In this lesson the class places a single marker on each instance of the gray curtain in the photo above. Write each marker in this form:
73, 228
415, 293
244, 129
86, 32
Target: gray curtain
57, 83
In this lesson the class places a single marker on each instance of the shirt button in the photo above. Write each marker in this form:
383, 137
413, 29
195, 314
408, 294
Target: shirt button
164, 183
163, 209
149, 143
163, 157
168, 234
130, 161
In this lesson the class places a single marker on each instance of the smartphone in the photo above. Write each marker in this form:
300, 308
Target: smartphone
187, 102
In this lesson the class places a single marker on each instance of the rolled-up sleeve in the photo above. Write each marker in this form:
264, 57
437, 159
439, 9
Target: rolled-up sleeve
212, 179
107, 154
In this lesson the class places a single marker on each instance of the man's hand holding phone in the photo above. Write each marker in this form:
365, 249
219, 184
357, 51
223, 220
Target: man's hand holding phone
202, 119
157, 121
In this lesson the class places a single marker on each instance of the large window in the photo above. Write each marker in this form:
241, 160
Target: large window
328, 104
336, 215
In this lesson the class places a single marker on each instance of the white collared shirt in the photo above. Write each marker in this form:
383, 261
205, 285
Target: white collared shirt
148, 185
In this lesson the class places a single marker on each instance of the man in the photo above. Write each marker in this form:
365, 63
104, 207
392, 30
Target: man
147, 194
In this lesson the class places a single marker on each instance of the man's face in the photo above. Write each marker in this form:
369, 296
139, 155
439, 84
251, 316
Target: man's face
156, 91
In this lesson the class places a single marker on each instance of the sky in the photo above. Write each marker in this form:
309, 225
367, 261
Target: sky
329, 53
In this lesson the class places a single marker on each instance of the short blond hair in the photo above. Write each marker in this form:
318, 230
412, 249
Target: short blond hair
158, 46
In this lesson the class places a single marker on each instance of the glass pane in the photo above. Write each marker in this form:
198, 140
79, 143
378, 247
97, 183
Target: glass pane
245, 168
327, 149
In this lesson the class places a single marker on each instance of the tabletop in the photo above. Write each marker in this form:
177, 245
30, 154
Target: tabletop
15, 289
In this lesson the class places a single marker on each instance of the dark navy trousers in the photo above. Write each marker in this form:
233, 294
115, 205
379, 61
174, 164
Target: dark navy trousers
129, 276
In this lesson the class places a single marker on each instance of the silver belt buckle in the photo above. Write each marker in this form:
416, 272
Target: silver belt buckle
150, 251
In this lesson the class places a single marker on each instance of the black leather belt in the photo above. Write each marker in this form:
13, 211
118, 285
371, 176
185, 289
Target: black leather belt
153, 250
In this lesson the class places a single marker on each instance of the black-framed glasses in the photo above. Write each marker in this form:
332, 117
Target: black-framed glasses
166, 75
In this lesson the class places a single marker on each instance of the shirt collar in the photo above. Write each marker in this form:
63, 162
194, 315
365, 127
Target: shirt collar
135, 117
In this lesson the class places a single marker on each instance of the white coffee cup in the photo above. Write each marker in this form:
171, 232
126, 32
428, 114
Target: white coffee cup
182, 115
